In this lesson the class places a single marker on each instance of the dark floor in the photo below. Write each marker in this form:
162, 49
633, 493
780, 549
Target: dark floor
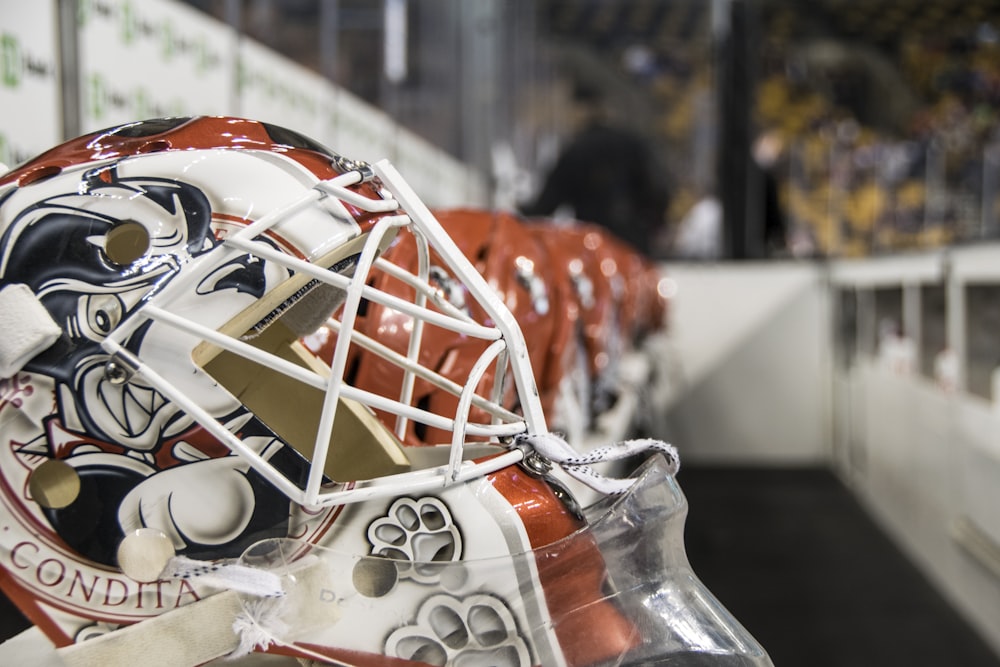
12, 622
796, 559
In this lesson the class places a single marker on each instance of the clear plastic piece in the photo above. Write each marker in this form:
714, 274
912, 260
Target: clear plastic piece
620, 592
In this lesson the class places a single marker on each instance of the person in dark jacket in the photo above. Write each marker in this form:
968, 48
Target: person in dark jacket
608, 175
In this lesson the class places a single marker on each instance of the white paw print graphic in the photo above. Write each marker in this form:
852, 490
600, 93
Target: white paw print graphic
478, 631
418, 531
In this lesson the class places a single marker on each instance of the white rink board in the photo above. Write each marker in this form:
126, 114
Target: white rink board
155, 58
151, 59
29, 80
362, 132
276, 90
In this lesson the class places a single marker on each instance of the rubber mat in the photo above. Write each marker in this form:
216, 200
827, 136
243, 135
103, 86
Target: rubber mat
798, 561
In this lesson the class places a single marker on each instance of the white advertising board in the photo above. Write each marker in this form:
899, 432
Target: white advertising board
29, 80
362, 132
365, 133
276, 90
420, 162
150, 59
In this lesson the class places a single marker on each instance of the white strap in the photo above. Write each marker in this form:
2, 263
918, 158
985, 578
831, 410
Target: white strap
190, 635
26, 328
228, 576
560, 452
223, 624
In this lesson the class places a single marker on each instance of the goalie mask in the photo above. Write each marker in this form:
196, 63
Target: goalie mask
514, 266
174, 462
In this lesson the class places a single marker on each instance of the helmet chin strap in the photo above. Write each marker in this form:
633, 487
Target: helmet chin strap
553, 449
190, 635
218, 626
26, 328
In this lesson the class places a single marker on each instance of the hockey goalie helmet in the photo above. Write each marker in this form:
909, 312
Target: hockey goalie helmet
513, 264
160, 273
519, 267
155, 281
180, 476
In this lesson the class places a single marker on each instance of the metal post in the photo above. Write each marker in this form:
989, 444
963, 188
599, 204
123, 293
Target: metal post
329, 38
69, 66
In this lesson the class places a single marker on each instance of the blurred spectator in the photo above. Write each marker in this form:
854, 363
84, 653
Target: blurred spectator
946, 370
766, 152
699, 235
607, 175
924, 176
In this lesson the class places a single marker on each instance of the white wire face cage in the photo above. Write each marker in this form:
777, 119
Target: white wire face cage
165, 393
310, 405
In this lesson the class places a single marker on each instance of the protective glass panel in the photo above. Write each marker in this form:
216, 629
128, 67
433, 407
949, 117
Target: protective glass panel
620, 592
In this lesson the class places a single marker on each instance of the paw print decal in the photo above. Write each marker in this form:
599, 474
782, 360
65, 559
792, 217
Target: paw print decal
452, 632
419, 531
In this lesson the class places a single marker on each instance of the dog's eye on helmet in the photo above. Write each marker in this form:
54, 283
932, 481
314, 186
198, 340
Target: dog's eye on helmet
126, 242
100, 313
